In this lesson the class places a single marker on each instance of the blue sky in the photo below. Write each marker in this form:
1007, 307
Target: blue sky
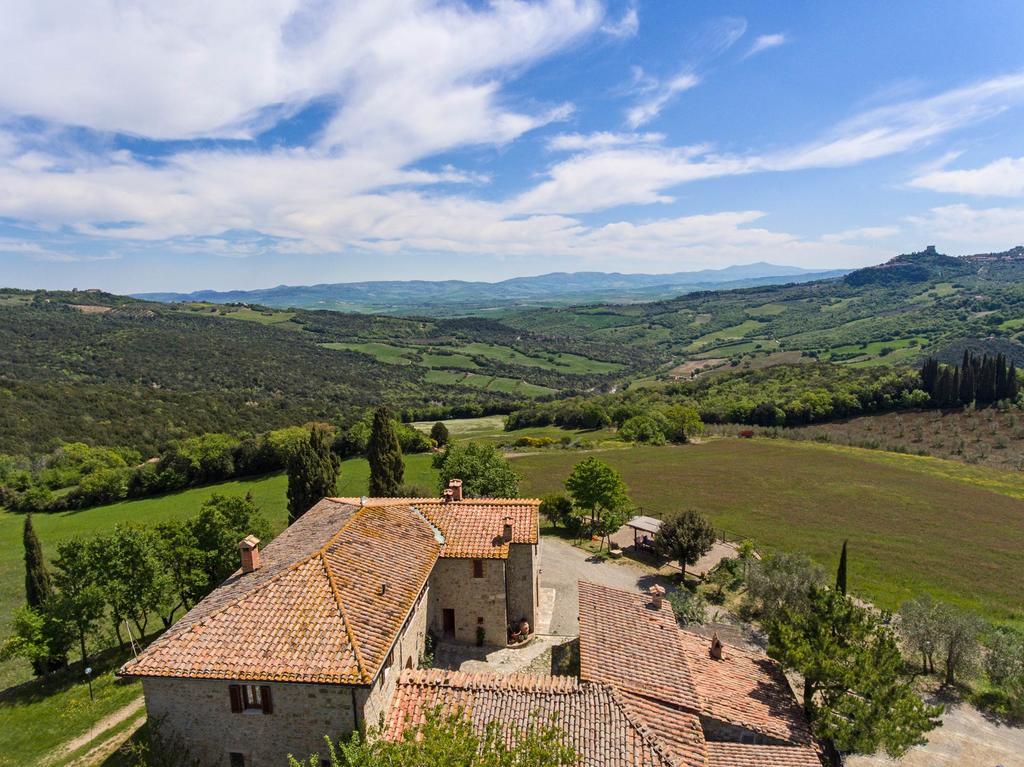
242, 144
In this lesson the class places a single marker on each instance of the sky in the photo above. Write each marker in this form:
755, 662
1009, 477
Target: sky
154, 146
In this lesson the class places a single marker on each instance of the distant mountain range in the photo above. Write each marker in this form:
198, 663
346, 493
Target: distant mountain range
448, 296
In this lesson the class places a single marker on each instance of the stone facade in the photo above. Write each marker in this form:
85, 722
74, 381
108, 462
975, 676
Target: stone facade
199, 710
523, 589
474, 601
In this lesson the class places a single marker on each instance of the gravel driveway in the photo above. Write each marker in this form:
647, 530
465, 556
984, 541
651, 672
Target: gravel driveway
562, 565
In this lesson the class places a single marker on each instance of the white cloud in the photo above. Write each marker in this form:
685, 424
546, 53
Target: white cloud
1002, 178
578, 142
764, 42
976, 230
226, 69
863, 233
627, 26
659, 96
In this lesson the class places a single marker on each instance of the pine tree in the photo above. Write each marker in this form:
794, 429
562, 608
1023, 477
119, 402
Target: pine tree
387, 469
312, 473
38, 587
841, 572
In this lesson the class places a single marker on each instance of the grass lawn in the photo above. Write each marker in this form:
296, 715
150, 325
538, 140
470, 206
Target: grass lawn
269, 493
37, 718
914, 524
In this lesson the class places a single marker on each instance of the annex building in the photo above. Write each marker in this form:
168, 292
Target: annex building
321, 633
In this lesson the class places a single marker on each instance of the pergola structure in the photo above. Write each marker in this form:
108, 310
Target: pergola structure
649, 526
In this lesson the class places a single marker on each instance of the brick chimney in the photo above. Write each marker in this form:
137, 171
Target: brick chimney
250, 548
657, 595
455, 485
506, 529
716, 647
446, 496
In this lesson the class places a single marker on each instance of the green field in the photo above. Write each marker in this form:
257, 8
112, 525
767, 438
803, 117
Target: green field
732, 332
914, 524
486, 382
566, 363
268, 492
393, 355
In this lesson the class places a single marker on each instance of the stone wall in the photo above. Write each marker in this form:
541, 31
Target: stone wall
522, 574
476, 601
199, 711
406, 654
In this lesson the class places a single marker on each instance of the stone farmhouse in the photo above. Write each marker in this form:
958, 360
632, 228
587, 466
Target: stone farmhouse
321, 633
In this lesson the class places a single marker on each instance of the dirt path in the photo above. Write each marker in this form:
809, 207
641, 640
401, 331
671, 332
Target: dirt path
104, 724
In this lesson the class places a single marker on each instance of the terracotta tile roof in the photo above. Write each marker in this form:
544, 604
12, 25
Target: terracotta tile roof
679, 731
472, 527
744, 755
745, 688
597, 724
627, 643
666, 673
326, 605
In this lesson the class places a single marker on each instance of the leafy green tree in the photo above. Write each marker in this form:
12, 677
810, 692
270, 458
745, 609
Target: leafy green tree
439, 433
78, 600
683, 423
920, 626
222, 522
689, 607
596, 488
39, 636
312, 473
387, 469
854, 690
643, 429
484, 471
959, 641
453, 741
185, 566
1004, 665
130, 574
557, 508
781, 580
686, 537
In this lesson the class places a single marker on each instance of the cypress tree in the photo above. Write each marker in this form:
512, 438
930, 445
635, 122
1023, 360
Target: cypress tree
312, 473
1012, 387
967, 383
38, 588
387, 469
841, 572
986, 391
930, 376
1000, 376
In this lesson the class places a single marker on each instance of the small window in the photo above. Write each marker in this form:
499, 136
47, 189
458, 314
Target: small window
478, 568
252, 695
236, 759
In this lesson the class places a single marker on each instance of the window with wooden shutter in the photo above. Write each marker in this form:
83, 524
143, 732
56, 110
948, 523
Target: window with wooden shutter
268, 706
235, 690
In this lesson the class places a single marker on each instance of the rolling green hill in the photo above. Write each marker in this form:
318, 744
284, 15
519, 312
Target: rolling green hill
895, 313
114, 370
